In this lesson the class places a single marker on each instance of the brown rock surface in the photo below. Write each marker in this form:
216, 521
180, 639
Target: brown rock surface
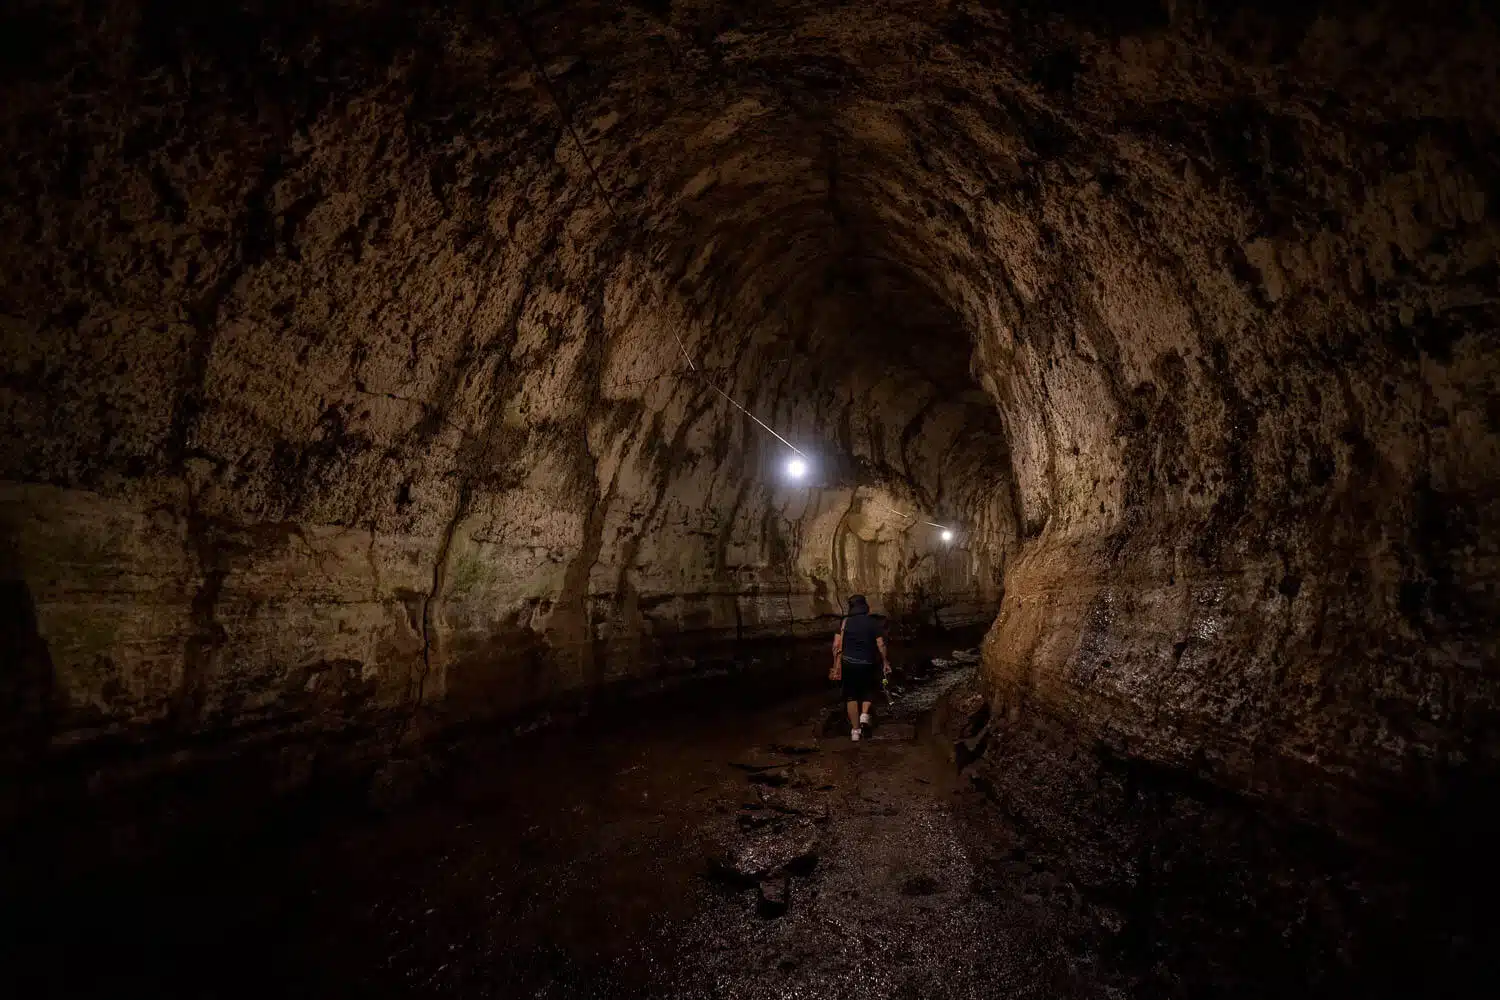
342, 380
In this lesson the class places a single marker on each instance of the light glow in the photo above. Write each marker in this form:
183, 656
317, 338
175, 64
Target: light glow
947, 535
796, 468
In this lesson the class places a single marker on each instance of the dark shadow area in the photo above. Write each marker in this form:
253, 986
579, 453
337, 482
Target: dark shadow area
552, 853
1193, 890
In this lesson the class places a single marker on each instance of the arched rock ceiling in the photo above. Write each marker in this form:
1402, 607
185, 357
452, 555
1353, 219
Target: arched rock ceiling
1188, 318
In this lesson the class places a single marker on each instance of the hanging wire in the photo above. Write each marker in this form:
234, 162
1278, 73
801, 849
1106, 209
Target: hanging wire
567, 119
752, 416
909, 516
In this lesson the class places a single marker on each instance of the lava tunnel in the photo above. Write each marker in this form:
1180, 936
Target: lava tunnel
406, 588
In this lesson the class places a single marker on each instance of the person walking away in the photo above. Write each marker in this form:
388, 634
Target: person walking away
858, 649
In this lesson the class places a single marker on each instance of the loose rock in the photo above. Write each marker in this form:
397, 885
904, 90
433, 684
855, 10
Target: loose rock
774, 897
769, 852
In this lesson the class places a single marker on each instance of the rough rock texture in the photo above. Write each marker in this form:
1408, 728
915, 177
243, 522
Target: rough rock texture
334, 390
1247, 360
342, 367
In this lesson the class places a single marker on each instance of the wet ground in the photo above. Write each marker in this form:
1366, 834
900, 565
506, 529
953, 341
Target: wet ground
730, 841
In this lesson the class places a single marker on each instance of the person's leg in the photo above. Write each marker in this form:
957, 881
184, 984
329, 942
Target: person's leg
857, 687
851, 697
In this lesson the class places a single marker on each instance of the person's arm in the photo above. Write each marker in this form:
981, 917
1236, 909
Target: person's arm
836, 672
884, 656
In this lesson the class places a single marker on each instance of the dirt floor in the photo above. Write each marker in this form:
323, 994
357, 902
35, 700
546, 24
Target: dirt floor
731, 841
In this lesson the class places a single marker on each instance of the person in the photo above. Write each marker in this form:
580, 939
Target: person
858, 649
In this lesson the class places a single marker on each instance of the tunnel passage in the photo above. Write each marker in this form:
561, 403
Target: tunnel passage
345, 352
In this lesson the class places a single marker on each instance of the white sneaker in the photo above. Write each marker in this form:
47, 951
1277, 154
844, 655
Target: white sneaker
854, 735
864, 718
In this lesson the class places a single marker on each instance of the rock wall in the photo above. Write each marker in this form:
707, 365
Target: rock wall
1247, 361
337, 398
344, 352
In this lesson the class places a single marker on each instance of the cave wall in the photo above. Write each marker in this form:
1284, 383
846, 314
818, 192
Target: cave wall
338, 375
1246, 354
336, 397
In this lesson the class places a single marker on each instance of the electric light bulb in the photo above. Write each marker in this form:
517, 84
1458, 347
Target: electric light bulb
947, 536
796, 468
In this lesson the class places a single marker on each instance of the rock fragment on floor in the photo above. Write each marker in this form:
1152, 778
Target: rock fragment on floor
770, 852
774, 897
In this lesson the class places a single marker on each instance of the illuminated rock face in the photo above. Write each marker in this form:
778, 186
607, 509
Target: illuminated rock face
344, 383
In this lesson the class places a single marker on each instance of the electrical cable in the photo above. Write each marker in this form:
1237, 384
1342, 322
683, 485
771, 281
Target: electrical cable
752, 416
909, 516
567, 119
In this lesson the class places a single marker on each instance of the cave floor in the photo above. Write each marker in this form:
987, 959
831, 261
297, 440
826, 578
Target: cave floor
597, 860
728, 842
760, 854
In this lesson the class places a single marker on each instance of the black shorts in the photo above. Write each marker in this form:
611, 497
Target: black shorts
860, 681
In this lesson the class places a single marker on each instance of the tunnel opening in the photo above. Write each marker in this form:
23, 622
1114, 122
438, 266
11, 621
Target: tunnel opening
380, 379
